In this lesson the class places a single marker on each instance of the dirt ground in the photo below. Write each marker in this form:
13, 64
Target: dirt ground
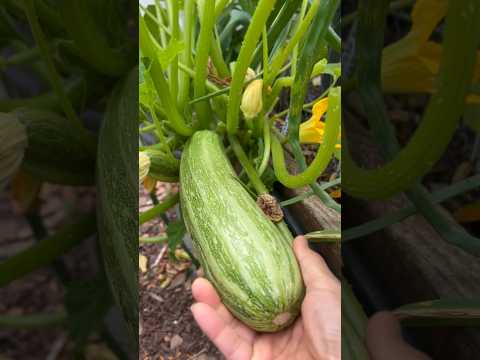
167, 328
40, 291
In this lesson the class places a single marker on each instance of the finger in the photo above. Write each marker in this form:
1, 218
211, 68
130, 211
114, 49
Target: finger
204, 292
225, 338
385, 341
315, 271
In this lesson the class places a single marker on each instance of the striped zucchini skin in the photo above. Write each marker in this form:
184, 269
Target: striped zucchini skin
244, 255
117, 205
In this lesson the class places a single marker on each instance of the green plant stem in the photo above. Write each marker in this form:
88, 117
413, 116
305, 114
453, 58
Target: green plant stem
201, 62
33, 321
175, 120
247, 165
186, 55
22, 57
40, 232
165, 147
308, 57
210, 86
254, 32
173, 12
54, 77
265, 52
162, 28
397, 216
153, 239
309, 193
324, 154
324, 236
215, 91
334, 40
45, 251
266, 147
147, 128
148, 48
326, 199
275, 29
158, 209
221, 4
319, 68
50, 101
283, 53
301, 15
310, 53
217, 57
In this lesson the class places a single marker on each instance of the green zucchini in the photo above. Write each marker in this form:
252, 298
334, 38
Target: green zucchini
55, 153
244, 255
162, 167
117, 211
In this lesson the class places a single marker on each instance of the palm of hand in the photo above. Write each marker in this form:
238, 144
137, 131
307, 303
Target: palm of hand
237, 341
314, 335
303, 340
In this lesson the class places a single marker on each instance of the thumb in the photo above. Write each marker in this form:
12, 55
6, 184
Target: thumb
385, 341
315, 271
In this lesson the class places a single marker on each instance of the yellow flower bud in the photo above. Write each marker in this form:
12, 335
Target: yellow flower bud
252, 102
250, 75
143, 166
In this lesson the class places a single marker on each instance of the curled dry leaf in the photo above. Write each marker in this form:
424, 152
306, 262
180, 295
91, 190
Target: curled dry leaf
142, 263
270, 207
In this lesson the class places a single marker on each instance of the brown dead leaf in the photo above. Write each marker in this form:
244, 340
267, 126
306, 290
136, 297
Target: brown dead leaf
142, 263
178, 280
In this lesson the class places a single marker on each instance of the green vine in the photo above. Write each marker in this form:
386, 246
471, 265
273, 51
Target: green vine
431, 138
324, 154
254, 32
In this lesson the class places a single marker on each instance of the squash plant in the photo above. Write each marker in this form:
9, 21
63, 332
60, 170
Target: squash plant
451, 77
82, 65
211, 77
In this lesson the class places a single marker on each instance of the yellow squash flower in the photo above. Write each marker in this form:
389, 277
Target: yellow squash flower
411, 65
143, 166
312, 131
252, 100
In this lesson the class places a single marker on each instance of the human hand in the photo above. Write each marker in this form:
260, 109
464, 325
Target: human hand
385, 341
316, 334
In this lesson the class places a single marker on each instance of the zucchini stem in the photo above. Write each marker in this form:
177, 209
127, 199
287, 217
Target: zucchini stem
158, 209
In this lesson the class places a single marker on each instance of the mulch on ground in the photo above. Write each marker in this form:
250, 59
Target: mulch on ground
41, 291
167, 329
